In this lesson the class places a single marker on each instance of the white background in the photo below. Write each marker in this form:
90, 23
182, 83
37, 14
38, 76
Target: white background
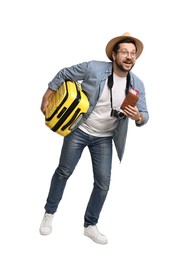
144, 216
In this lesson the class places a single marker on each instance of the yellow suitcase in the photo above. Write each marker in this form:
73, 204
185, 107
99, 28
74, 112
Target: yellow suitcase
66, 107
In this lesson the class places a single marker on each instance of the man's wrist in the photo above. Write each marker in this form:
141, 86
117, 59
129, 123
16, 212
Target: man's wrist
140, 120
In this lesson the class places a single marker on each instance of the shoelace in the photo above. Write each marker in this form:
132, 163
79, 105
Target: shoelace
46, 221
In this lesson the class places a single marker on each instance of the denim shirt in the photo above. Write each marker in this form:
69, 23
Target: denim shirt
92, 76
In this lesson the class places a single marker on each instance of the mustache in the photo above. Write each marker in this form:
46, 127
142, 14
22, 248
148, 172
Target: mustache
128, 60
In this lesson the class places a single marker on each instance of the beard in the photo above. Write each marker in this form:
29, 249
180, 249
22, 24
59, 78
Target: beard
122, 67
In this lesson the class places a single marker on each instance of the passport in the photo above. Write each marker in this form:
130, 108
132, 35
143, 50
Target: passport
131, 98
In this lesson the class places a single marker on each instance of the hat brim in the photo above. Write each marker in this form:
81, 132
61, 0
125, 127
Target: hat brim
111, 43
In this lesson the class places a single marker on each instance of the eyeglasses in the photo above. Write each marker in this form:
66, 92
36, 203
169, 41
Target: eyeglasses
125, 53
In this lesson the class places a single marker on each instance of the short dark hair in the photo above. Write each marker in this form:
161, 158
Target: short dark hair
127, 40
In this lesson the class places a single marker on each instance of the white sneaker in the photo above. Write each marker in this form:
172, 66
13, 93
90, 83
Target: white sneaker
46, 224
93, 233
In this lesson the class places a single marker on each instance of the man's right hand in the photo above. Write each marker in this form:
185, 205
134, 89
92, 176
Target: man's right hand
45, 100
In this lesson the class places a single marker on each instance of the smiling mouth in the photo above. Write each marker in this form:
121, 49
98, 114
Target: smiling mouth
128, 63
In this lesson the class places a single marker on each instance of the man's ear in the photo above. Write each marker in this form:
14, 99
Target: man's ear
113, 55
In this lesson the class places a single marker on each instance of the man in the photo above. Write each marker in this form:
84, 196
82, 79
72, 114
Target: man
106, 85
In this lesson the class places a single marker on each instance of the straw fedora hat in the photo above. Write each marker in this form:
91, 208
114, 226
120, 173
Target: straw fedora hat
126, 35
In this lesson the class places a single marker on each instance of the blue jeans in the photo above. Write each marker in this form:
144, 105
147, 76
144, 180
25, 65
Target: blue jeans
101, 155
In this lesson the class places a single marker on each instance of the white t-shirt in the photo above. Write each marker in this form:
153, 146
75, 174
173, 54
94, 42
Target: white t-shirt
100, 123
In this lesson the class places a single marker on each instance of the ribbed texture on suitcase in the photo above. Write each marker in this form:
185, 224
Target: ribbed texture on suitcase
66, 107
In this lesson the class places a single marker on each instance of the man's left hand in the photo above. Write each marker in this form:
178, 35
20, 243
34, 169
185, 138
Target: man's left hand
132, 112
